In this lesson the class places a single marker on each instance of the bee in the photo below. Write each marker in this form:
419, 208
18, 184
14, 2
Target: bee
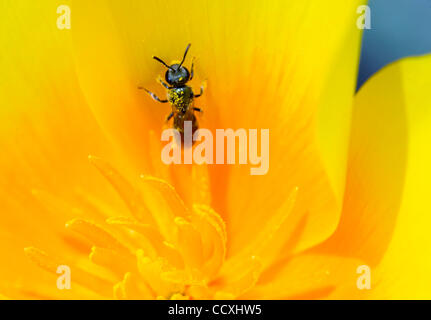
179, 94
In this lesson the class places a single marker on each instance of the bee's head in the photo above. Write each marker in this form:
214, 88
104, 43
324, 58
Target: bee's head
176, 74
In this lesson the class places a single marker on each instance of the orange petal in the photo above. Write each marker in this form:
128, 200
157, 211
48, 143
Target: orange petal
268, 242
307, 276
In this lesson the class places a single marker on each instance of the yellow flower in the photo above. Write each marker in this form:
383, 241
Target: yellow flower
348, 177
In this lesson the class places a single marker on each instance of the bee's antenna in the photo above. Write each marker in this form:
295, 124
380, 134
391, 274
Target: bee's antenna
162, 62
185, 54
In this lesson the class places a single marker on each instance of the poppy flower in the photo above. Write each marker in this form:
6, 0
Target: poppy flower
83, 185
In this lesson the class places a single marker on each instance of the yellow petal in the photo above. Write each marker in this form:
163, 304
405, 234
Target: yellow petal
295, 83
102, 54
46, 133
404, 272
267, 243
309, 138
306, 276
376, 168
386, 220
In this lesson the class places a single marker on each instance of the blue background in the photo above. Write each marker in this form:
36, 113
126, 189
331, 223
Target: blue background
399, 28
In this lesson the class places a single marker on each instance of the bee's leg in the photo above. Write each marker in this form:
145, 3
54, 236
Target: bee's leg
154, 96
169, 116
164, 84
191, 69
200, 93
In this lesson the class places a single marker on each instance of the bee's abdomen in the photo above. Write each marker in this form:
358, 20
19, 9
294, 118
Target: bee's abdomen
179, 121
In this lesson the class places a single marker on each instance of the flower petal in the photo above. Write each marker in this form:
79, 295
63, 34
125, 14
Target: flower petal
46, 133
386, 217
306, 276
404, 272
376, 169
309, 121
299, 83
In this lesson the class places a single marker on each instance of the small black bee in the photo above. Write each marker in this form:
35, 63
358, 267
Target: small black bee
179, 94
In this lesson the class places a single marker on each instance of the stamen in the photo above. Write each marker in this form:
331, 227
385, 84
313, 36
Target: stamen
87, 280
151, 271
42, 259
111, 260
213, 234
162, 248
132, 288
169, 193
146, 230
189, 243
128, 193
96, 234
246, 281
